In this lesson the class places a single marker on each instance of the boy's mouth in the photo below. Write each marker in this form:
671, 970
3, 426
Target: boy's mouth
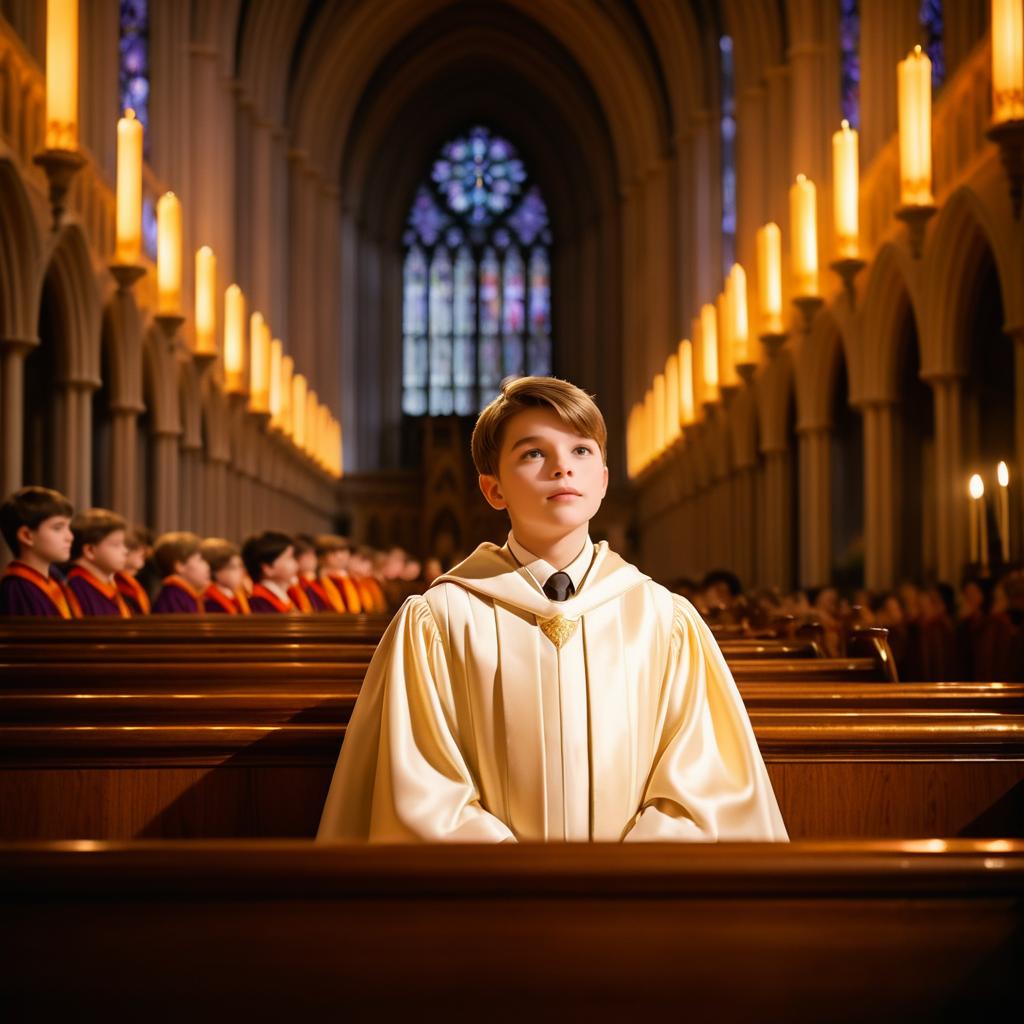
563, 494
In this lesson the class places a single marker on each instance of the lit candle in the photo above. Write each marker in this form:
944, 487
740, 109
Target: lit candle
299, 390
1007, 60
287, 375
312, 419
846, 191
687, 413
62, 74
325, 436
648, 426
234, 340
803, 218
128, 249
660, 438
672, 398
739, 323
769, 278
206, 302
168, 254
259, 364
979, 529
1003, 479
723, 315
709, 352
914, 80
274, 395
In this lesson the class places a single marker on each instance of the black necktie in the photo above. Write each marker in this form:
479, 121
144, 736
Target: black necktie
559, 586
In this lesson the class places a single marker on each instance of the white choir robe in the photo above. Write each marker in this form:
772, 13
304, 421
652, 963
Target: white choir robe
473, 726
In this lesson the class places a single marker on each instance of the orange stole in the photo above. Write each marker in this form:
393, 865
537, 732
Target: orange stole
238, 606
372, 595
300, 598
182, 584
129, 586
349, 593
109, 590
63, 600
268, 595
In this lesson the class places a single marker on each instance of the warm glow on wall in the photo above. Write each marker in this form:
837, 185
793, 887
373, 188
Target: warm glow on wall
234, 340
274, 395
259, 364
709, 353
287, 375
846, 192
914, 79
739, 321
687, 412
1007, 60
672, 398
312, 421
206, 302
659, 431
168, 254
299, 391
61, 74
726, 368
128, 250
769, 278
803, 226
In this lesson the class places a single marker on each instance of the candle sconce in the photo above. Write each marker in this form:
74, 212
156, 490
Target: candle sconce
916, 218
808, 306
60, 166
1009, 137
848, 269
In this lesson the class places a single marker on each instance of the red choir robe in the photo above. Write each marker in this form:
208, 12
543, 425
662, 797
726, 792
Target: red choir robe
133, 592
177, 596
94, 596
308, 595
372, 596
264, 601
347, 591
215, 600
24, 591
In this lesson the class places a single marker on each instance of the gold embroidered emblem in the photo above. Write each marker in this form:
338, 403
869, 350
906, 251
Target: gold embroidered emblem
559, 630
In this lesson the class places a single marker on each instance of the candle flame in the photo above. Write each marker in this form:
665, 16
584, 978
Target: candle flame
976, 488
129, 113
845, 125
1003, 475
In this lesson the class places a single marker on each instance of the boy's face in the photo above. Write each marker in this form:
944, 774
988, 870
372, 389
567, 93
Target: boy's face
307, 562
232, 574
195, 570
50, 541
550, 479
336, 561
109, 555
282, 569
135, 560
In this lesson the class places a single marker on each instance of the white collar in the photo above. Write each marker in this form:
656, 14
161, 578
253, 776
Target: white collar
542, 570
278, 590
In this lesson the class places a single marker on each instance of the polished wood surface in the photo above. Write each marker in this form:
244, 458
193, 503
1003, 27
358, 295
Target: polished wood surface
794, 932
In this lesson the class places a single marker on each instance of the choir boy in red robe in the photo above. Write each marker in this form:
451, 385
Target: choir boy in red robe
333, 553
36, 524
307, 586
99, 552
226, 594
133, 592
185, 573
270, 561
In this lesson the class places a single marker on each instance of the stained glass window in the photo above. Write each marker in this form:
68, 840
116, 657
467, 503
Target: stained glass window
477, 278
930, 18
134, 53
849, 60
728, 149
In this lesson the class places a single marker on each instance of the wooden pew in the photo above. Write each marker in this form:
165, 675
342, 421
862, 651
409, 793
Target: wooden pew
846, 759
801, 932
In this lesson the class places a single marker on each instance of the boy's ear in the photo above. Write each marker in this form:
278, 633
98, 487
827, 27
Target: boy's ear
25, 536
491, 490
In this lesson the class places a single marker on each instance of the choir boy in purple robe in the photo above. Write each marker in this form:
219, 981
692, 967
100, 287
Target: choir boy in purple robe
185, 573
99, 552
36, 525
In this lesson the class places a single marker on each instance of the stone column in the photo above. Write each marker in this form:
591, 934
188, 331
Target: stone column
743, 524
778, 558
165, 480
74, 441
815, 506
124, 459
879, 496
950, 485
13, 352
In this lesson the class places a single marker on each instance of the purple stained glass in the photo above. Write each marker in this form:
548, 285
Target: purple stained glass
728, 153
149, 227
490, 294
479, 176
513, 357
929, 17
465, 294
514, 283
849, 60
464, 373
489, 367
427, 219
133, 51
530, 218
538, 356
540, 292
414, 305
440, 294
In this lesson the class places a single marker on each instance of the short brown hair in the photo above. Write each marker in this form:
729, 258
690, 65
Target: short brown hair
264, 549
325, 543
92, 526
172, 548
572, 405
218, 552
31, 507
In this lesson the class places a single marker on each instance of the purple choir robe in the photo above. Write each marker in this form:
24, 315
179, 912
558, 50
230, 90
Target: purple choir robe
19, 597
318, 603
90, 600
261, 606
174, 600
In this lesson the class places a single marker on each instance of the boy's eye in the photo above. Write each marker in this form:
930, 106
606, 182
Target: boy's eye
583, 448
532, 451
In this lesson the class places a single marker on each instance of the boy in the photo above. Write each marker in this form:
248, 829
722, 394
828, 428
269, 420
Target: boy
546, 689
225, 594
371, 595
36, 524
184, 571
270, 561
307, 587
333, 554
133, 592
99, 552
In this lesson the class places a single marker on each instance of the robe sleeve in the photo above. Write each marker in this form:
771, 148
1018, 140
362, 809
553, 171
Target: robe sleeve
708, 782
401, 776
